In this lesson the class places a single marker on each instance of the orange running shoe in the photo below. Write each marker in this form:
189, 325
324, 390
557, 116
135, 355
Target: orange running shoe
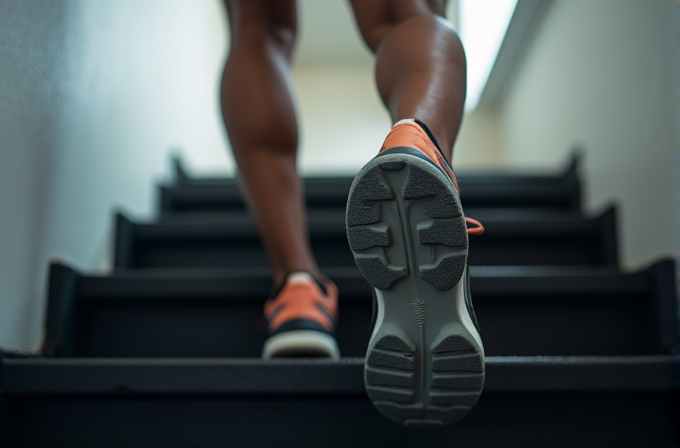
301, 318
405, 225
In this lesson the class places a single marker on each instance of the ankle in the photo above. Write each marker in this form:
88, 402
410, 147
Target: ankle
280, 277
435, 136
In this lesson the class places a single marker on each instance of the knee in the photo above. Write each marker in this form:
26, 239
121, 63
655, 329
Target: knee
414, 22
430, 24
433, 28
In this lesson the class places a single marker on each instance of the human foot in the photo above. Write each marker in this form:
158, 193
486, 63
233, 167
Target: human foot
406, 228
301, 318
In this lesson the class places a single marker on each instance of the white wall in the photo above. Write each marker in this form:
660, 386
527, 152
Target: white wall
342, 121
601, 74
480, 143
92, 97
675, 187
29, 92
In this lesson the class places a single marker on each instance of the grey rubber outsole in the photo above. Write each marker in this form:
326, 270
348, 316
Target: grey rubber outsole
405, 226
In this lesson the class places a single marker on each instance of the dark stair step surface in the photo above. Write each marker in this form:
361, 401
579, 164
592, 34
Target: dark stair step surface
218, 312
231, 240
558, 192
527, 402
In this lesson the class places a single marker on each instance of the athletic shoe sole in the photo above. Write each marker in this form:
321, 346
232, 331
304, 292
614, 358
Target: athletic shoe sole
405, 226
297, 343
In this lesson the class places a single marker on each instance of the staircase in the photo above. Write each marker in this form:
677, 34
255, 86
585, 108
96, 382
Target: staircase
164, 352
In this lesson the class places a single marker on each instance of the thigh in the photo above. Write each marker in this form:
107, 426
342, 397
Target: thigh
375, 18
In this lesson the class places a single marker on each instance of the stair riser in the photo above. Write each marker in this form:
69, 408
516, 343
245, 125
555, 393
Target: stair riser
235, 328
522, 311
508, 420
200, 200
557, 192
333, 251
7, 424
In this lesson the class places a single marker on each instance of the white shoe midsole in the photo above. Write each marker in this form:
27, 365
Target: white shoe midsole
301, 342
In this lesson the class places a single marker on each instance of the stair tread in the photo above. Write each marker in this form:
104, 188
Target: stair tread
255, 282
521, 192
238, 223
232, 240
464, 179
312, 376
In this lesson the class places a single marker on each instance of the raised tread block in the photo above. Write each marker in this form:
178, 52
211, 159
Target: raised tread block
420, 183
394, 394
400, 412
458, 381
380, 377
458, 363
363, 213
416, 415
392, 166
363, 207
444, 205
372, 187
377, 273
364, 237
395, 344
440, 200
449, 232
453, 343
401, 361
445, 274
447, 414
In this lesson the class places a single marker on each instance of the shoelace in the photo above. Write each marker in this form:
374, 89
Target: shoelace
478, 230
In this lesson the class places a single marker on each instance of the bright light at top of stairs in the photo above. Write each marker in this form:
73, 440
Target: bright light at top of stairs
482, 25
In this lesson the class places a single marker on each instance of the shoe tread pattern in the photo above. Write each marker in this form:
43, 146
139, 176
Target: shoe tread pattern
457, 377
414, 384
445, 227
390, 374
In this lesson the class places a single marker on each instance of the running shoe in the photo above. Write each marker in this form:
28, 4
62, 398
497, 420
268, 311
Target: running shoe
301, 319
405, 225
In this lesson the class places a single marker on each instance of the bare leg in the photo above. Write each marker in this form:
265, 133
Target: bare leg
410, 191
259, 115
420, 63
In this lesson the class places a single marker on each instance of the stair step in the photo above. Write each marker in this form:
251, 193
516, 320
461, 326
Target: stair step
209, 198
180, 376
558, 192
231, 240
527, 401
218, 312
